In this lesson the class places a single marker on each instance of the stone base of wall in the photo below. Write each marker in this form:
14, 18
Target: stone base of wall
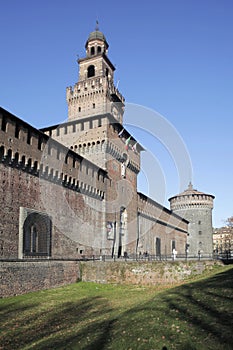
20, 277
143, 273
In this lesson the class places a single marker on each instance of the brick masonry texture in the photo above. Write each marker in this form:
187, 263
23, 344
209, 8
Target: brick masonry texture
28, 276
20, 189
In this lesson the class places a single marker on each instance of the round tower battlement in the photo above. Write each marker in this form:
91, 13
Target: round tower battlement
191, 199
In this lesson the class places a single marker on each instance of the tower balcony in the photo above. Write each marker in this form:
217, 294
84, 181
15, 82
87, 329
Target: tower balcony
116, 95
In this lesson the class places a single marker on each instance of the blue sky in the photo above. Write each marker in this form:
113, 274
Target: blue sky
173, 57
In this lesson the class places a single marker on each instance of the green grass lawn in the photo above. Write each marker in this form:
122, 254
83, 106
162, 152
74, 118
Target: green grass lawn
193, 315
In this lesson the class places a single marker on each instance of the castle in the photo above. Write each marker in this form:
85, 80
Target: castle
70, 190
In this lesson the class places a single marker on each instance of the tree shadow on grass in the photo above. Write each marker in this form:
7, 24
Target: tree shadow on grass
193, 316
74, 325
84, 326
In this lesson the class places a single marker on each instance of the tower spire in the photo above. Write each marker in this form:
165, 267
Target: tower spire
190, 186
97, 25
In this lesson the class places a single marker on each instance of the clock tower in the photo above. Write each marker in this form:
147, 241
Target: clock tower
95, 131
95, 92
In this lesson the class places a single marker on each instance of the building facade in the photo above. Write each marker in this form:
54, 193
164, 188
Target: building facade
70, 190
223, 241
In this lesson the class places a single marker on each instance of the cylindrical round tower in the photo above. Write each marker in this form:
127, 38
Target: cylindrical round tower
196, 207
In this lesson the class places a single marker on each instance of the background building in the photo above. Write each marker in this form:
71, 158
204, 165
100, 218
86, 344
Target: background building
223, 240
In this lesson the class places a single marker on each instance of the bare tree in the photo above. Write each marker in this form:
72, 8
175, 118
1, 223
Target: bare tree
229, 236
229, 222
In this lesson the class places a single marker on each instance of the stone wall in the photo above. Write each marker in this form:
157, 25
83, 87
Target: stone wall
20, 277
143, 273
200, 229
196, 207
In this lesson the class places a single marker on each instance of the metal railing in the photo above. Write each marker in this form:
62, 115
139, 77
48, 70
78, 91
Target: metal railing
146, 257
226, 258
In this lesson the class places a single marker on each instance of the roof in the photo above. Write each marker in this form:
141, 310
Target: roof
191, 191
97, 35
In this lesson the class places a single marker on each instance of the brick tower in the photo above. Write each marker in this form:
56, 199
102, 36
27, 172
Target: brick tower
95, 131
196, 207
95, 92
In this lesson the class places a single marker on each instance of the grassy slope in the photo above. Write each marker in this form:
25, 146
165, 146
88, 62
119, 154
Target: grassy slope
194, 315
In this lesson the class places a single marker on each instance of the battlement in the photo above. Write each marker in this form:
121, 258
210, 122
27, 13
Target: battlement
192, 201
80, 89
28, 149
151, 209
91, 86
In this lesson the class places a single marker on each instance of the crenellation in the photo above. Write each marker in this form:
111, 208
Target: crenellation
42, 164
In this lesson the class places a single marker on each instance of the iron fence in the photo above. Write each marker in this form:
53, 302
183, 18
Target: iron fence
226, 258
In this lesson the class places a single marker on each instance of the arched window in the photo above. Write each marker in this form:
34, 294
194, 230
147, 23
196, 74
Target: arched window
37, 235
99, 49
91, 71
92, 50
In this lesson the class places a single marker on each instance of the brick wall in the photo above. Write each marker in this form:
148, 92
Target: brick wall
28, 276
76, 218
155, 221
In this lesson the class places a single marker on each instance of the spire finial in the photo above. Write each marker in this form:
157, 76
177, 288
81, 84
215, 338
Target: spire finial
97, 25
190, 186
